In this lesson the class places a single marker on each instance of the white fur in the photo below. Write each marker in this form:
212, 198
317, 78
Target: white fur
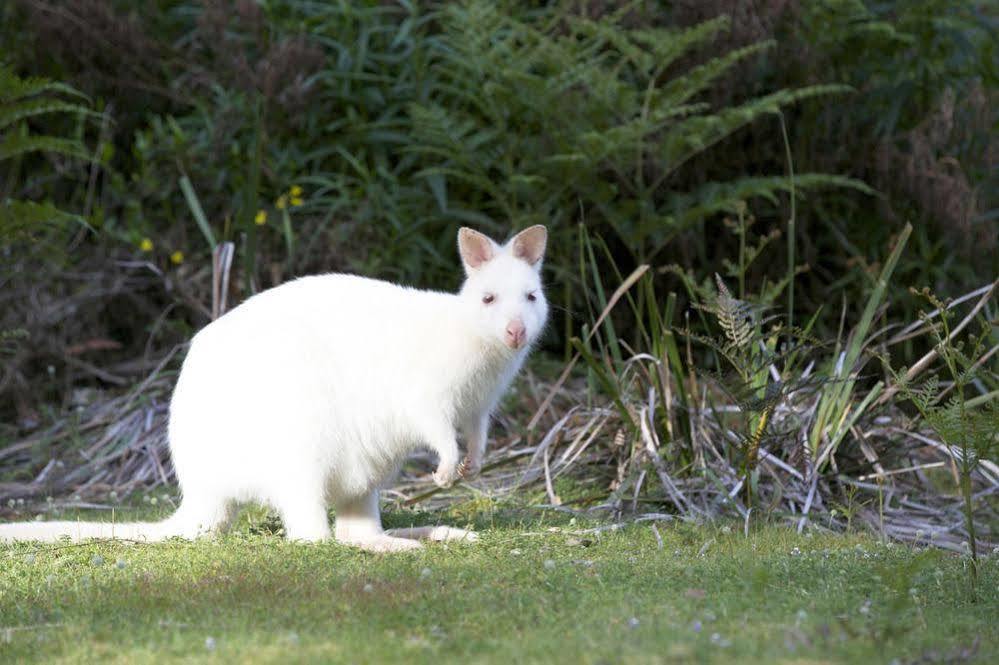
314, 392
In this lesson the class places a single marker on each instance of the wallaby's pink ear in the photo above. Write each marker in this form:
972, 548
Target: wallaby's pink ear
529, 244
475, 248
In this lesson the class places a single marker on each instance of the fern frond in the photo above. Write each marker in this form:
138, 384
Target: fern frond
728, 197
20, 218
13, 145
21, 110
14, 87
681, 89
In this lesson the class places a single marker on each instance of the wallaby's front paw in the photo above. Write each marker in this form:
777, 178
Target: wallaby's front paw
469, 468
445, 475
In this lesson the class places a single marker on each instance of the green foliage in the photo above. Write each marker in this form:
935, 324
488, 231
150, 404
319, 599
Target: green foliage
537, 119
923, 132
763, 370
838, 409
971, 432
22, 99
418, 120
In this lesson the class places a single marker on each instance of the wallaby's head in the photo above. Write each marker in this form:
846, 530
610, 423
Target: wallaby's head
504, 284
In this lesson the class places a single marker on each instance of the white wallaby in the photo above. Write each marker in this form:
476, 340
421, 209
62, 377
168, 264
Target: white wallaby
314, 392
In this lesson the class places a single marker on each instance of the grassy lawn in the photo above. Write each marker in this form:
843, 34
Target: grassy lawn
529, 591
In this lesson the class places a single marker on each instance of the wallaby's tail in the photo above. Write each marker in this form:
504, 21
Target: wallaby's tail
185, 523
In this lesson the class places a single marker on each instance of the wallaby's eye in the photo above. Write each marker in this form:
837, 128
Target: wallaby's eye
488, 298
531, 296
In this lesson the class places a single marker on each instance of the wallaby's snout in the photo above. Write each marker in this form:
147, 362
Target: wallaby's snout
516, 334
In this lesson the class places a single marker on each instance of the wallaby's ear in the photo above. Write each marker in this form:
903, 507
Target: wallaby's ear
475, 248
529, 244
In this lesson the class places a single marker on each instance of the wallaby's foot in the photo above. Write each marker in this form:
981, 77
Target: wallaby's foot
436, 533
469, 468
383, 543
308, 536
446, 474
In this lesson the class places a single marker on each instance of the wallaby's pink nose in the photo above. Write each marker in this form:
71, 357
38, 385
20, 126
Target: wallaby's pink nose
516, 334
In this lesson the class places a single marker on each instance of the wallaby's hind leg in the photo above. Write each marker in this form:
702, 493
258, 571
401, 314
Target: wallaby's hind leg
200, 515
304, 516
434, 533
359, 523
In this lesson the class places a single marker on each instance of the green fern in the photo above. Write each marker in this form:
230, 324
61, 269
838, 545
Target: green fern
541, 115
22, 99
971, 434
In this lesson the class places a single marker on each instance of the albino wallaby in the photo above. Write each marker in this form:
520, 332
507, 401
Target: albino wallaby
314, 392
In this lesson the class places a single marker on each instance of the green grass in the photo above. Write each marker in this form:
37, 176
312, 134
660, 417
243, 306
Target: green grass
528, 592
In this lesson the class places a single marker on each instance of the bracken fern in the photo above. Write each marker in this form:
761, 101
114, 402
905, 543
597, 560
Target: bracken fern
970, 432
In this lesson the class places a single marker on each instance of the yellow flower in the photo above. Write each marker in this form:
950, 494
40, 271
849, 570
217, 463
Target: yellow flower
295, 191
261, 218
146, 245
296, 201
281, 203
177, 257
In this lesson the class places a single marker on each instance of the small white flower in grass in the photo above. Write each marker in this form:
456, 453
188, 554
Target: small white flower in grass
919, 534
120, 563
726, 529
720, 641
49, 579
368, 588
515, 552
20, 502
97, 560
866, 607
795, 552
425, 573
154, 501
549, 564
11, 503
29, 559
210, 643
633, 622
